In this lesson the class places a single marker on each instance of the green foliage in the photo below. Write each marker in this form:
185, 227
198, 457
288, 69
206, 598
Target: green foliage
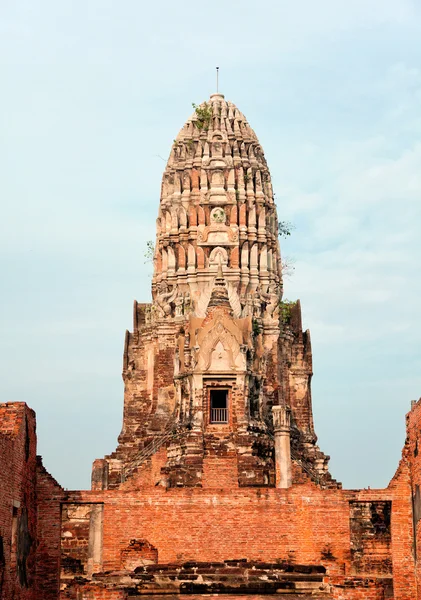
204, 115
285, 228
256, 328
149, 252
285, 307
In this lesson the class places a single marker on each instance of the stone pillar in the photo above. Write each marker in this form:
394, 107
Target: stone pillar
95, 539
281, 425
99, 479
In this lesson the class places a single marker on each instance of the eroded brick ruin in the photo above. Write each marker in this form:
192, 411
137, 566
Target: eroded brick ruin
217, 485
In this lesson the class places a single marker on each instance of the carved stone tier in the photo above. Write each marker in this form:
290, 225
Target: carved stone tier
216, 207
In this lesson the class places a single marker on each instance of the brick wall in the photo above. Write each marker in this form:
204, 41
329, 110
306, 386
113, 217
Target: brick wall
17, 501
89, 592
407, 483
370, 537
220, 471
49, 497
301, 525
357, 589
217, 524
75, 525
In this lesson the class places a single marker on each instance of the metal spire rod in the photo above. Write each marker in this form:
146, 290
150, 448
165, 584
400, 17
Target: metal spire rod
217, 80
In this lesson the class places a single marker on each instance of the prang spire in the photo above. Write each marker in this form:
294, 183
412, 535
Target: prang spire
217, 207
216, 368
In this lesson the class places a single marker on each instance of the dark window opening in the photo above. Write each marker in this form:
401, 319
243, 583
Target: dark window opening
219, 406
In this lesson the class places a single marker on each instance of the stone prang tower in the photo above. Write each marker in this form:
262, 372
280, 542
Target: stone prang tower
217, 370
217, 486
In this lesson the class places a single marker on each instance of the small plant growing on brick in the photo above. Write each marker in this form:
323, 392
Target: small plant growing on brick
256, 328
149, 252
285, 307
204, 115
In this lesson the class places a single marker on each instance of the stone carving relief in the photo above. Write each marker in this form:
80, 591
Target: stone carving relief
221, 359
234, 300
179, 301
218, 215
186, 303
164, 298
271, 299
217, 233
203, 301
261, 304
217, 147
182, 305
257, 305
148, 314
247, 303
219, 351
218, 256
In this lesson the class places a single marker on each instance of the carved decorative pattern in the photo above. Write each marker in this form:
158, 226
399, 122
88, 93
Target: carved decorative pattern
219, 335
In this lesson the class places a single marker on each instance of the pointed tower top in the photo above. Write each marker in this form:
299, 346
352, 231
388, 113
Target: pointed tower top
217, 226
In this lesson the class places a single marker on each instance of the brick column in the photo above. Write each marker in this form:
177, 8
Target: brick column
281, 424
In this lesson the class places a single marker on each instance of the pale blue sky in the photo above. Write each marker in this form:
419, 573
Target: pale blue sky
92, 95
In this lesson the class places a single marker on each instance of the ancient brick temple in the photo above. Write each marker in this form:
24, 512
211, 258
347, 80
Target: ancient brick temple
217, 486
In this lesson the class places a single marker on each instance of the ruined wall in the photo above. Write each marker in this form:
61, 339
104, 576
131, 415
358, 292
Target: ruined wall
359, 537
49, 497
364, 591
296, 349
75, 521
303, 524
81, 540
408, 478
371, 537
17, 501
344, 588
350, 533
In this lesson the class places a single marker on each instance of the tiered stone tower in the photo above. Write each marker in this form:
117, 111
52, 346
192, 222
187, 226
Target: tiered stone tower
217, 370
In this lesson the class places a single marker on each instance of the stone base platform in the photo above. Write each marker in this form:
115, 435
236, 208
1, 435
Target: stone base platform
222, 580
